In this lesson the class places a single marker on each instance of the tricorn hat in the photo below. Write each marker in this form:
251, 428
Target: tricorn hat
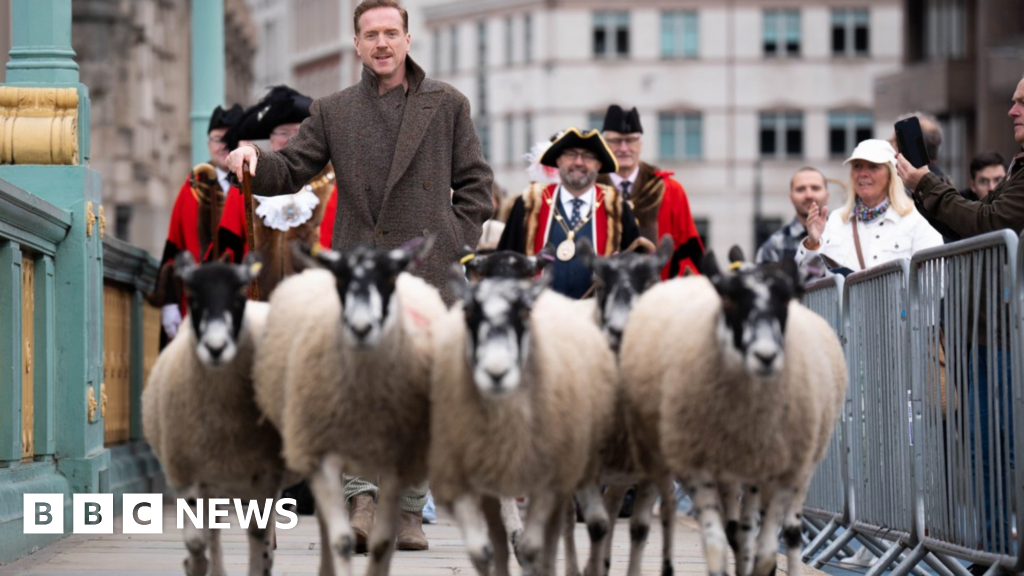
282, 105
573, 138
222, 118
618, 120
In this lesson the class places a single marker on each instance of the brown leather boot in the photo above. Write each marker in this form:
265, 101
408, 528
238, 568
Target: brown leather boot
410, 532
361, 509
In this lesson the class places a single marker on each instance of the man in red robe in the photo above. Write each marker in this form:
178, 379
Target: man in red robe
191, 227
657, 199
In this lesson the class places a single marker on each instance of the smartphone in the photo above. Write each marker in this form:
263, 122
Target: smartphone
910, 140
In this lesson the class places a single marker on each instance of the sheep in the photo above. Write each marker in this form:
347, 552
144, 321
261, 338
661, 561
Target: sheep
522, 387
620, 280
199, 414
354, 395
742, 386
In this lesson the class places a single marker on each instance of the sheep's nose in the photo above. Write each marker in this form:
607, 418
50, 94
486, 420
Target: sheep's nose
496, 378
215, 350
361, 332
765, 358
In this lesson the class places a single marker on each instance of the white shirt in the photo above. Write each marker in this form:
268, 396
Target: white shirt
888, 237
566, 198
618, 180
222, 177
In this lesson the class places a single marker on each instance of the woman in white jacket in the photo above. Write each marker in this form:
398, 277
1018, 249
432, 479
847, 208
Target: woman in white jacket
877, 224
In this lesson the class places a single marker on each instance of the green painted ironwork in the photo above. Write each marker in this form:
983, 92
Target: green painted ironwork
208, 65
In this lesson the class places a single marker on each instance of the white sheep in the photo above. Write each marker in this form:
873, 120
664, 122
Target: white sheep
741, 385
199, 414
345, 377
522, 390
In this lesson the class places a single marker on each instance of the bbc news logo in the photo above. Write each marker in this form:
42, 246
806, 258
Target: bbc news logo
144, 513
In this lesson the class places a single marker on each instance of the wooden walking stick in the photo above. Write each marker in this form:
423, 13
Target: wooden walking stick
250, 233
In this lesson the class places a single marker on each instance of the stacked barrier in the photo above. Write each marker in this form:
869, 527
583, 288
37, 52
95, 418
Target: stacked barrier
931, 345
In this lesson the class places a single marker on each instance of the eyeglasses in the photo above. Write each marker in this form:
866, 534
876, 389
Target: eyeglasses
283, 133
215, 140
616, 142
573, 155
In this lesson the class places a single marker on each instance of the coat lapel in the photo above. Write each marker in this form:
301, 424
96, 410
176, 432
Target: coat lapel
419, 111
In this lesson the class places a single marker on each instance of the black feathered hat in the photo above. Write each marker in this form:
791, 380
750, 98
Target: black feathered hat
282, 105
618, 120
573, 138
222, 118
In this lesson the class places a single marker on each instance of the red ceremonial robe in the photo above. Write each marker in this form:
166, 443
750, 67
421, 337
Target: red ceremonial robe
327, 224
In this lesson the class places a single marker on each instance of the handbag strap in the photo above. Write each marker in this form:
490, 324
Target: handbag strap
856, 243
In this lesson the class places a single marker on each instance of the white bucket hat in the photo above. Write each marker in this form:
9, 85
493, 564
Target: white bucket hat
873, 150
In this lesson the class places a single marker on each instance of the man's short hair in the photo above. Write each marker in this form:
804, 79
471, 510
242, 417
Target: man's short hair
930, 129
824, 181
984, 160
366, 5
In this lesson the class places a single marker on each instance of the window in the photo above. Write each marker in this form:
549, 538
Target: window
481, 67
527, 38
509, 44
846, 129
510, 141
437, 51
765, 226
595, 121
453, 48
703, 226
681, 136
782, 134
483, 131
850, 32
611, 34
679, 35
527, 132
782, 33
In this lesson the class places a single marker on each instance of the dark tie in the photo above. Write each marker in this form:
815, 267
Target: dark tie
574, 220
625, 189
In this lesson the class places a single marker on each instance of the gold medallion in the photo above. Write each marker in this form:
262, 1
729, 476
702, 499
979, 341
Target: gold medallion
566, 250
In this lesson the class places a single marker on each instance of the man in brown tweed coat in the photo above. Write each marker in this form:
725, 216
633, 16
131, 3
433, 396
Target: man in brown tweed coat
408, 163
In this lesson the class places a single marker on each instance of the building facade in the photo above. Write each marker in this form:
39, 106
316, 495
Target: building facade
963, 60
734, 96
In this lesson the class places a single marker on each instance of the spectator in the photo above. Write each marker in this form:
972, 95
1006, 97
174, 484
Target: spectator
877, 224
807, 188
987, 171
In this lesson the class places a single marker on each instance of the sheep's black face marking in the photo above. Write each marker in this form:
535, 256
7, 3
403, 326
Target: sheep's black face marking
366, 280
497, 313
217, 293
506, 264
621, 279
755, 303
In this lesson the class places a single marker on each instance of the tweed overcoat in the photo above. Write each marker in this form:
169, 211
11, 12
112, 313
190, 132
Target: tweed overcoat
439, 182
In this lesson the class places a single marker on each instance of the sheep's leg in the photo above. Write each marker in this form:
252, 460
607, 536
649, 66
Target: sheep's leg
261, 549
326, 485
385, 526
216, 553
774, 503
668, 522
196, 563
730, 492
640, 525
596, 516
614, 496
747, 534
326, 565
474, 531
792, 529
567, 529
512, 522
709, 509
495, 513
531, 547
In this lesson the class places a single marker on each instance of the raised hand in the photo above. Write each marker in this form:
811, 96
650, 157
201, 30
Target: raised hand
816, 218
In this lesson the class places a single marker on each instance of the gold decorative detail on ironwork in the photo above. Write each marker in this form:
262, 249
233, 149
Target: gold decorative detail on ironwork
90, 219
103, 222
38, 126
90, 403
28, 307
103, 400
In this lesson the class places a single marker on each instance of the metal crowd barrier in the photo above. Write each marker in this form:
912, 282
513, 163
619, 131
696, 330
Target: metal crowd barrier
918, 335
826, 508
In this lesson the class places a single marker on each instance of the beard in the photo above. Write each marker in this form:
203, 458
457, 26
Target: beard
578, 180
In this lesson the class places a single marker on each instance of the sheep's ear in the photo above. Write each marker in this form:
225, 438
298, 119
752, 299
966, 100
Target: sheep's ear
250, 267
710, 264
305, 255
542, 259
413, 252
225, 258
736, 254
457, 280
184, 265
664, 253
791, 271
472, 261
585, 252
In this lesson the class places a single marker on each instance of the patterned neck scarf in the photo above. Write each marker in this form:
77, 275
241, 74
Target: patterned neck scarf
867, 215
